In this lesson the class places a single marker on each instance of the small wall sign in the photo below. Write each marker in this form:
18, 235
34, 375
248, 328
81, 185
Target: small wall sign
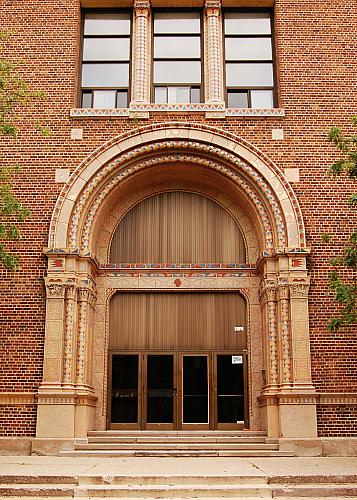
237, 360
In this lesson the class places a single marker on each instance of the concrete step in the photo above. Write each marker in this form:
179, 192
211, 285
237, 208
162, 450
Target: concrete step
176, 491
176, 453
171, 480
315, 490
164, 433
178, 439
36, 490
176, 446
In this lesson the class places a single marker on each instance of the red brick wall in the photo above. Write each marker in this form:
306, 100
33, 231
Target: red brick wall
18, 420
336, 420
317, 76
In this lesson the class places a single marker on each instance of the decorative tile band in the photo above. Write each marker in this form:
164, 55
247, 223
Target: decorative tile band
177, 266
178, 108
17, 398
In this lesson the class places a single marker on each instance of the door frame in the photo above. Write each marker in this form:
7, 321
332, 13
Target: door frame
158, 426
178, 399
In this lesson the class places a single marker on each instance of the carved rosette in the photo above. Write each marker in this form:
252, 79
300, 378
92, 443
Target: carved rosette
213, 12
141, 13
285, 332
71, 295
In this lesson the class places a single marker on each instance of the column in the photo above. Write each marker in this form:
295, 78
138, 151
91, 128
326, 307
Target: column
285, 351
141, 83
69, 336
213, 51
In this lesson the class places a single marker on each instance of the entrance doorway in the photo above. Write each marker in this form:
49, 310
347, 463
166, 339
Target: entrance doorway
178, 390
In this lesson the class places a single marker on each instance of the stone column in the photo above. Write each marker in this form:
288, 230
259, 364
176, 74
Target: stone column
285, 349
84, 342
141, 73
69, 336
213, 52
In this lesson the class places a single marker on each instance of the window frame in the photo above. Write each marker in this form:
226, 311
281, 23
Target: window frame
153, 85
272, 61
82, 89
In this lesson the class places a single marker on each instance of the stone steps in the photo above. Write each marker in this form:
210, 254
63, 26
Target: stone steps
176, 444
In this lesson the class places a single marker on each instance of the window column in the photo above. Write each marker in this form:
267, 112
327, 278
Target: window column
140, 92
214, 56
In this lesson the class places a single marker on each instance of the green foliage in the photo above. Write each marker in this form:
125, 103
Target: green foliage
345, 290
326, 237
14, 95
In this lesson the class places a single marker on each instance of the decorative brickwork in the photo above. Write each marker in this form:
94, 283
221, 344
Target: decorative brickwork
44, 330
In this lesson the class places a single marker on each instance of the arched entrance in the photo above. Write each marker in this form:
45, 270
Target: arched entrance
94, 216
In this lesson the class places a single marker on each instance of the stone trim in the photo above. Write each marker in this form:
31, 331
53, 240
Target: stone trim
175, 108
17, 398
337, 398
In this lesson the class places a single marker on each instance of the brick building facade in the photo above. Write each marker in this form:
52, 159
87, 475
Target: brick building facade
264, 165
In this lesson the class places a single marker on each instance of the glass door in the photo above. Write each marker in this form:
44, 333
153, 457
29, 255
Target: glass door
230, 398
160, 392
124, 399
195, 404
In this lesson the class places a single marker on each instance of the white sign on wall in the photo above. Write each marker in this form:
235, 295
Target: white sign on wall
237, 360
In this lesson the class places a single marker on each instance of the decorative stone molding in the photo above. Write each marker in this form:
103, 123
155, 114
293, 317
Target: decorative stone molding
121, 176
175, 108
141, 39
71, 295
17, 398
337, 398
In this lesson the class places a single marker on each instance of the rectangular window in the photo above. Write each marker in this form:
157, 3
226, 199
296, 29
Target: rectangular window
249, 59
177, 65
105, 60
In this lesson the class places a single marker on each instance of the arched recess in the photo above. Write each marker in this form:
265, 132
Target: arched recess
196, 159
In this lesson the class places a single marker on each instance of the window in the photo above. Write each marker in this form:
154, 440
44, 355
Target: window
177, 57
105, 60
249, 59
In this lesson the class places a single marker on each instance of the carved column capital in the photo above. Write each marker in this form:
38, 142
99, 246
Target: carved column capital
142, 8
283, 291
55, 290
213, 7
71, 291
299, 290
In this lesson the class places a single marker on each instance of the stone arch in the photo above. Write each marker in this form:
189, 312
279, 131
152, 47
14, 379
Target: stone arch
89, 185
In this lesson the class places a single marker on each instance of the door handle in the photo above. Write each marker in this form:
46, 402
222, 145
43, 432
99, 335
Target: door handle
174, 392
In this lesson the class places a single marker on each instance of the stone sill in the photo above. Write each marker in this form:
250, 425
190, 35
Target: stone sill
143, 111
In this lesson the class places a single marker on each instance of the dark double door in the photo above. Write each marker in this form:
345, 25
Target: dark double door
179, 390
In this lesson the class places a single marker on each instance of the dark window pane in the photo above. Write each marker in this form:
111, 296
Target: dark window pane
262, 99
125, 384
106, 49
195, 95
171, 47
122, 99
248, 48
160, 95
106, 24
177, 22
160, 388
195, 389
105, 75
230, 390
104, 99
237, 99
87, 100
249, 75
249, 23
177, 72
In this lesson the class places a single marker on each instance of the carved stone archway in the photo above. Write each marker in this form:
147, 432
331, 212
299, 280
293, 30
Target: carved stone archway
80, 281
